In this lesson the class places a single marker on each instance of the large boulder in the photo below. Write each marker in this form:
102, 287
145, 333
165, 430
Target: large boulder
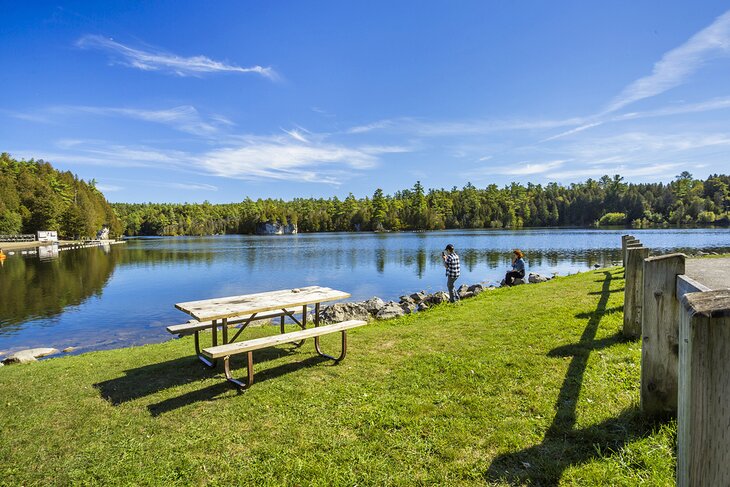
29, 355
373, 305
344, 312
390, 310
537, 278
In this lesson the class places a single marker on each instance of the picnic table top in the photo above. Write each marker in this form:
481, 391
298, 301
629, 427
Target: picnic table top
219, 308
713, 273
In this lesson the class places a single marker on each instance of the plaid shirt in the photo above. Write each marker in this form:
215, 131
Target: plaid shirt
453, 269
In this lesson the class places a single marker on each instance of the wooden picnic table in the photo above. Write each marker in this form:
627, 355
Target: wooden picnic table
285, 302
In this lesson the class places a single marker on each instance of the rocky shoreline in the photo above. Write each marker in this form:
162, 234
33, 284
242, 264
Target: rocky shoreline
376, 308
372, 309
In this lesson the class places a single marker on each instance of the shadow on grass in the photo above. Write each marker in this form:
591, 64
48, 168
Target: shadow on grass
210, 392
599, 314
150, 379
563, 445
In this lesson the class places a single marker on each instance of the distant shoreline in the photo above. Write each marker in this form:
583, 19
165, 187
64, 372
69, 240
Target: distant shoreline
12, 246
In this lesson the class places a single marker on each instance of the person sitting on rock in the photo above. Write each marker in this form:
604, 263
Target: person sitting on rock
518, 268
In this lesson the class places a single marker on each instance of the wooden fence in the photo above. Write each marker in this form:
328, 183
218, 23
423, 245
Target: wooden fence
685, 358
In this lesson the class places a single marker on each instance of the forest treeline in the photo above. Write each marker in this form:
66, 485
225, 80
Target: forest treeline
607, 201
34, 196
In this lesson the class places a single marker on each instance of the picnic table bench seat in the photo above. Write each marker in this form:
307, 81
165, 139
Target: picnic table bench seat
249, 346
195, 327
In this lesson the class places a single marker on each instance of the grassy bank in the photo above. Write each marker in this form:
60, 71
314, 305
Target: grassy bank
527, 385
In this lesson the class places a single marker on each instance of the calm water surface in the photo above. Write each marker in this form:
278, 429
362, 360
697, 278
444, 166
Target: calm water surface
122, 295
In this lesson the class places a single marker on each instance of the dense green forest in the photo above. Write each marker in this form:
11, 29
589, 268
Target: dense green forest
35, 196
607, 201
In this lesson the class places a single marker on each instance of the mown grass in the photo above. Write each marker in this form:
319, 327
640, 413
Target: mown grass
527, 385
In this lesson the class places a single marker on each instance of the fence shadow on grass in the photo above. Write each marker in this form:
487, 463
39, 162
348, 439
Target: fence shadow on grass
152, 378
563, 445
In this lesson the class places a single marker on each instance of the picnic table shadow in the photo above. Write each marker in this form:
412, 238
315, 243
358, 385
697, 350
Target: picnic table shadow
563, 445
153, 378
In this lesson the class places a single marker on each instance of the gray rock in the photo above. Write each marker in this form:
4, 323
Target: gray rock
344, 312
438, 298
408, 307
537, 278
373, 305
476, 289
463, 288
466, 295
390, 310
29, 355
419, 297
515, 282
422, 307
407, 300
68, 349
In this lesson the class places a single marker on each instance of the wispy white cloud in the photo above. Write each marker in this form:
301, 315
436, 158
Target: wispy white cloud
572, 131
526, 169
108, 188
296, 135
276, 159
185, 118
433, 128
157, 60
190, 186
678, 64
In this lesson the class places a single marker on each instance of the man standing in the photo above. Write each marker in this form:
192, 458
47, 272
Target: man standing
453, 270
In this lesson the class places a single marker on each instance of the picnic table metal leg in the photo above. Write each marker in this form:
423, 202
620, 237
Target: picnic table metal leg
249, 371
203, 359
342, 354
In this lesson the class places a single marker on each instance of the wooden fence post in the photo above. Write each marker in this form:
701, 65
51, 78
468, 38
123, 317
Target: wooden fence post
631, 243
633, 290
703, 439
660, 331
624, 239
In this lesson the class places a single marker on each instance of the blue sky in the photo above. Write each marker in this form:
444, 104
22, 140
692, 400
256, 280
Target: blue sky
191, 101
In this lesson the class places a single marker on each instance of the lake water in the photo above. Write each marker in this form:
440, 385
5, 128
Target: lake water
100, 298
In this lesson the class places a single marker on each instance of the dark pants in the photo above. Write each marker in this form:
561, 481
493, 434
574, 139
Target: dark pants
453, 295
512, 275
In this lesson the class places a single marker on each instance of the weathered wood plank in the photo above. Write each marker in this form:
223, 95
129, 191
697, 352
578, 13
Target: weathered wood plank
660, 332
186, 328
703, 440
633, 290
270, 341
630, 243
218, 308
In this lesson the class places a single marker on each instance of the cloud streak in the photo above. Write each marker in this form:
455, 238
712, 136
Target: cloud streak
678, 64
275, 158
185, 118
156, 60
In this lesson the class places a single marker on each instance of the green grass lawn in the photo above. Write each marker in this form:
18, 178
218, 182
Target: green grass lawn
527, 385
